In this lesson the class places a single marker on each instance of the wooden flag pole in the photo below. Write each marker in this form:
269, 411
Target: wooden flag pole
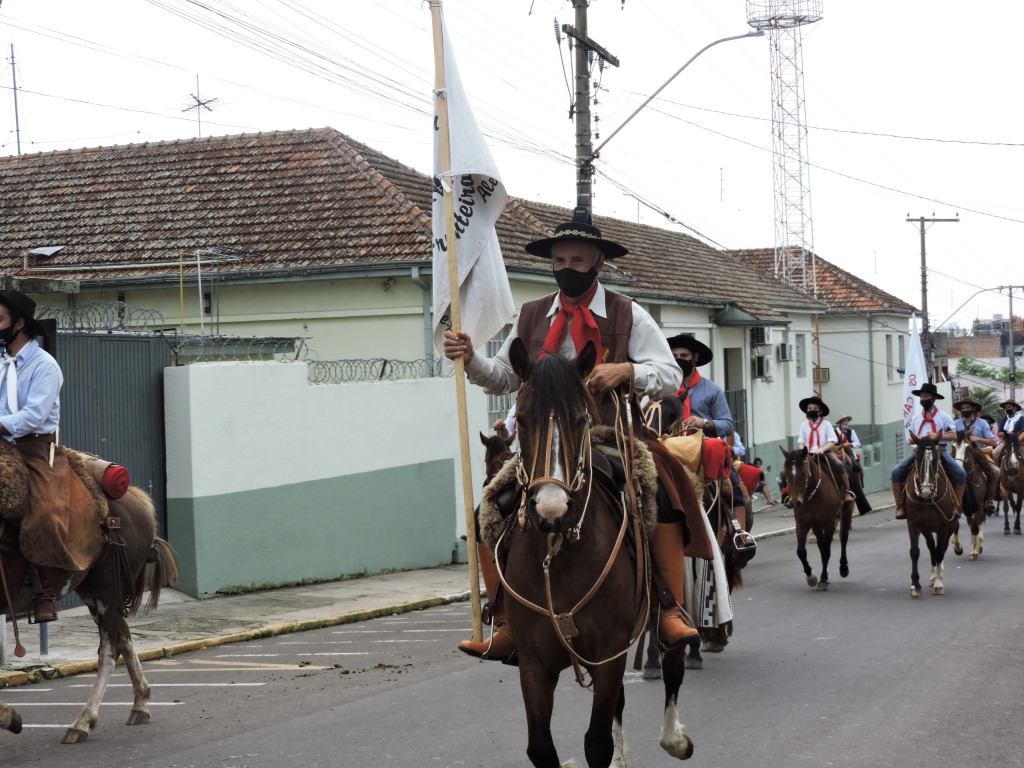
456, 315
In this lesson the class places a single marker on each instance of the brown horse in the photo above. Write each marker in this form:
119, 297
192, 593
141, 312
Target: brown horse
576, 595
133, 559
818, 505
931, 511
1011, 478
971, 459
496, 453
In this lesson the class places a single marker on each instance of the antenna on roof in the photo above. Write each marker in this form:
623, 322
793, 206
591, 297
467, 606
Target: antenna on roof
199, 106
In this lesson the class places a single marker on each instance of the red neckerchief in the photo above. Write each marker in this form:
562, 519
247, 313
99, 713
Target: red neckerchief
814, 441
929, 420
583, 329
683, 393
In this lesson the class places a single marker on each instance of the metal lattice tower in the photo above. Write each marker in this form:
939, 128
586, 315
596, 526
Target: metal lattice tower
782, 21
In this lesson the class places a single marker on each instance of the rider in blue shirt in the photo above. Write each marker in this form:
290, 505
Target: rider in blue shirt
980, 434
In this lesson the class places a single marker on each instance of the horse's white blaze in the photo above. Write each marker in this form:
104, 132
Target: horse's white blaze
673, 733
552, 500
619, 754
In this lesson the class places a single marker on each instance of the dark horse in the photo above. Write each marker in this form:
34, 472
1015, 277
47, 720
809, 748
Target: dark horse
496, 453
931, 511
818, 505
1011, 477
575, 593
132, 560
970, 458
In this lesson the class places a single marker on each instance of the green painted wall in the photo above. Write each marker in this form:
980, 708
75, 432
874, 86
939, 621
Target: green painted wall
399, 518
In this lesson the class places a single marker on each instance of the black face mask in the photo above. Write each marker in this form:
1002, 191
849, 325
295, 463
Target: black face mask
7, 335
926, 405
574, 283
1010, 411
813, 415
685, 365
966, 414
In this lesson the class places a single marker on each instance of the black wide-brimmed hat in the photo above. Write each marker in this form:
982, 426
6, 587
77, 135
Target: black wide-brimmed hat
576, 230
25, 307
814, 400
928, 388
967, 401
1014, 403
687, 341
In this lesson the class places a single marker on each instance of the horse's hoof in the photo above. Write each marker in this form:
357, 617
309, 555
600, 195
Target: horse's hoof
1006, 531
652, 673
915, 592
844, 571
15, 725
938, 590
689, 663
75, 736
958, 551
812, 580
972, 556
823, 586
138, 717
1016, 531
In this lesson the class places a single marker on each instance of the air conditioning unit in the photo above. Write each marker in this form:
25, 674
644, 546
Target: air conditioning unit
761, 336
785, 353
761, 367
821, 375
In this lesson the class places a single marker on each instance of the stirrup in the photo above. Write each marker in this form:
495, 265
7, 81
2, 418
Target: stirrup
744, 545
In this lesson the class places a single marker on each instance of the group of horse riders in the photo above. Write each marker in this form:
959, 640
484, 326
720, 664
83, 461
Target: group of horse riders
929, 420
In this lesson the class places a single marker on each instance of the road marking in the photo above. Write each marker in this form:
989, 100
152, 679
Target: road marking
168, 685
335, 653
78, 704
391, 631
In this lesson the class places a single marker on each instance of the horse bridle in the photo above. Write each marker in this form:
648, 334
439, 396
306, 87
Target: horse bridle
577, 480
807, 479
936, 459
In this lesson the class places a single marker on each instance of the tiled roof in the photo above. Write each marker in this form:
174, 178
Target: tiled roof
310, 201
837, 288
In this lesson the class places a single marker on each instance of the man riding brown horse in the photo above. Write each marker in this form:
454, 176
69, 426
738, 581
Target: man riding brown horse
29, 416
631, 351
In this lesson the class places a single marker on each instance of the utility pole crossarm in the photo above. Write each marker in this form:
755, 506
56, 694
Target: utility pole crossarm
570, 31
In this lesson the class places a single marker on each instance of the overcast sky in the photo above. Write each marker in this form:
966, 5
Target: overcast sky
913, 108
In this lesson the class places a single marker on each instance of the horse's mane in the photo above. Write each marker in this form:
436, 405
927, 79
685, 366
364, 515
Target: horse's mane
555, 387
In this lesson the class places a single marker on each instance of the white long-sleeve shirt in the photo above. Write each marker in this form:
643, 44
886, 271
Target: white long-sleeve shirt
655, 372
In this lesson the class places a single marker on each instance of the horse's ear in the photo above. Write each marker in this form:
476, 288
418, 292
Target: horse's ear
520, 359
484, 439
914, 438
585, 360
804, 453
783, 452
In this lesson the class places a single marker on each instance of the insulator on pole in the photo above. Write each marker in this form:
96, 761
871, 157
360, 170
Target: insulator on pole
590, 56
558, 32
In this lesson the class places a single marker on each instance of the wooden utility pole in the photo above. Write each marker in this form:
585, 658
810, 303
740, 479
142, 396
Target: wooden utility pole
581, 103
926, 341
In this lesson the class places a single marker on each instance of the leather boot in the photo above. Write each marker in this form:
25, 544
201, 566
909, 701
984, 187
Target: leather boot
46, 587
499, 646
845, 480
673, 628
900, 498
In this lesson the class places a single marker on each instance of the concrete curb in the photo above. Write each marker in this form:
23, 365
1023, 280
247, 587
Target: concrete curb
26, 677
792, 529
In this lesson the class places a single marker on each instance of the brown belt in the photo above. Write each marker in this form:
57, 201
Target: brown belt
50, 438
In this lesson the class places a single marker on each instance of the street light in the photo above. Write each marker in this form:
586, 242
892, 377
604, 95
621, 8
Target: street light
753, 33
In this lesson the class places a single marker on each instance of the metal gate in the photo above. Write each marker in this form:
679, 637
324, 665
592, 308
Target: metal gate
112, 404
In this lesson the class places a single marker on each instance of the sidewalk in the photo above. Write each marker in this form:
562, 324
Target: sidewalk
183, 624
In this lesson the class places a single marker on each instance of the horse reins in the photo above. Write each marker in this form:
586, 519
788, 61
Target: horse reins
19, 649
935, 501
563, 623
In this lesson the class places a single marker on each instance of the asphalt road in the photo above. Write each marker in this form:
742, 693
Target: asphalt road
858, 676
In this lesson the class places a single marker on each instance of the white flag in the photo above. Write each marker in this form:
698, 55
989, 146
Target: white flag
914, 376
478, 197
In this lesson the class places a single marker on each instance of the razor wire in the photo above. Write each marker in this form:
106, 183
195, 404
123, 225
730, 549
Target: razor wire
375, 369
115, 316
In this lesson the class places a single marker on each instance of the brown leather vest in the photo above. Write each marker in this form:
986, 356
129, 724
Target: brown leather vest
534, 325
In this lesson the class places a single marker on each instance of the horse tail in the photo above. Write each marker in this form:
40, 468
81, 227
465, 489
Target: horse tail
161, 568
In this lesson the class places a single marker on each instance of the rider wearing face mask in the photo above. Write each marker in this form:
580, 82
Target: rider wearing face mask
630, 348
1013, 421
980, 434
938, 425
704, 406
818, 436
